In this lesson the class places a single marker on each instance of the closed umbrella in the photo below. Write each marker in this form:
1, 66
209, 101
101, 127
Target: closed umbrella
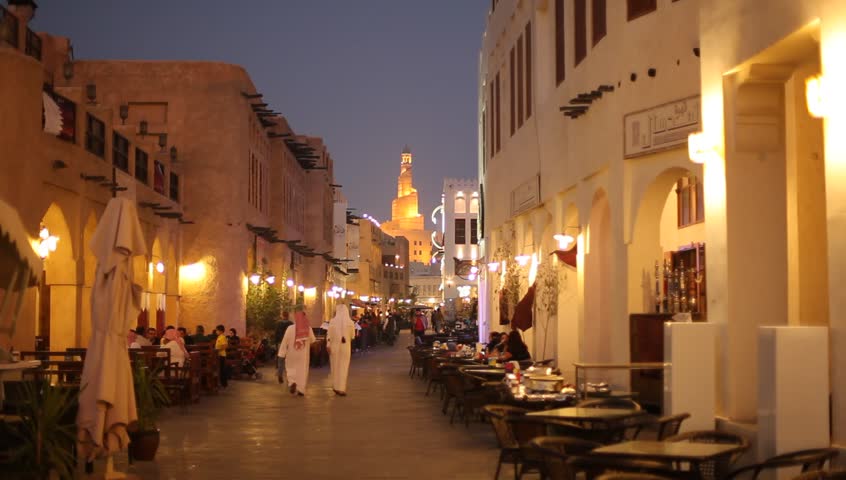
523, 311
107, 401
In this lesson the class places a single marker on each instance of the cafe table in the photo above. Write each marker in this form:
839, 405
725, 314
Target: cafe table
679, 453
588, 414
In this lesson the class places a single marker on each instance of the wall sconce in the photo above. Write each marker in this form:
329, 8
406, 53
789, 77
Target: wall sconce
522, 260
124, 113
699, 148
142, 128
46, 243
300, 288
91, 93
162, 141
255, 279
493, 266
815, 95
290, 283
566, 240
173, 154
270, 278
160, 267
67, 70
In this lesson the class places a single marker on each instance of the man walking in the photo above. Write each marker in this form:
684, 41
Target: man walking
281, 326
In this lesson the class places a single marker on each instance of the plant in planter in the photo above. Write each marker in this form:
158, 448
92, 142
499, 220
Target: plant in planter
150, 397
46, 435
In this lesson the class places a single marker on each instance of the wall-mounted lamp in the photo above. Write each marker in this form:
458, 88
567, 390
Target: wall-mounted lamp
67, 70
46, 243
255, 278
270, 278
300, 288
124, 113
142, 128
160, 267
815, 89
493, 266
522, 260
699, 148
91, 93
289, 283
162, 141
173, 154
566, 240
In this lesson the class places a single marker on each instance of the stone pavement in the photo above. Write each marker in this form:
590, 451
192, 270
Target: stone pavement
384, 429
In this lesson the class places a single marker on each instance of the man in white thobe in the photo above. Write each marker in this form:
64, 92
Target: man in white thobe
296, 350
339, 341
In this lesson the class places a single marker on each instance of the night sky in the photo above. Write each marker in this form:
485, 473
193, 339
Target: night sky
369, 76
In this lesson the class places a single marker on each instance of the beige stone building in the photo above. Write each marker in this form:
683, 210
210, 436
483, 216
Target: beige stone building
585, 110
224, 185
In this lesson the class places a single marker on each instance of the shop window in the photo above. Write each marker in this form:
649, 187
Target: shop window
580, 30
141, 166
460, 231
95, 135
559, 41
599, 25
638, 8
691, 201
120, 152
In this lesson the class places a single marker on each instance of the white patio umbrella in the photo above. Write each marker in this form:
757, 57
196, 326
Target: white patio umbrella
107, 401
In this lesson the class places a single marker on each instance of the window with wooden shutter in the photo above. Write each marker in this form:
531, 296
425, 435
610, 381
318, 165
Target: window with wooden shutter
599, 26
511, 85
498, 115
638, 8
520, 82
528, 35
559, 41
579, 30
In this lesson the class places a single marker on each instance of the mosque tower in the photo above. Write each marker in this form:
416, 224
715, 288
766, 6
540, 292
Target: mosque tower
406, 220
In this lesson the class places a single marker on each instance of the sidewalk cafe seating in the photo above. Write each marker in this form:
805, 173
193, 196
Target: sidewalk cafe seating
720, 467
810, 460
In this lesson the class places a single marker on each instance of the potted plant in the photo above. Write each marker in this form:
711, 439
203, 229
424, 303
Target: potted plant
150, 397
45, 437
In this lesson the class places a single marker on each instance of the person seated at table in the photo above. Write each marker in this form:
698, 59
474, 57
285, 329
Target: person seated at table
153, 336
234, 339
140, 340
515, 349
170, 340
493, 341
183, 334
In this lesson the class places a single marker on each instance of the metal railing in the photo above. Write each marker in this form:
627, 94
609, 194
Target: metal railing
8, 27
33, 44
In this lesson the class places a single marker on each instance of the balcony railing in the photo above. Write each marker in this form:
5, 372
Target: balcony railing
33, 44
8, 28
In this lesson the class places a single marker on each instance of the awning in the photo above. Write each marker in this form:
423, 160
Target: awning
568, 256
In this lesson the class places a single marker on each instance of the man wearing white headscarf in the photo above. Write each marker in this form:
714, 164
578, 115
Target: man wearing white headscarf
339, 340
296, 350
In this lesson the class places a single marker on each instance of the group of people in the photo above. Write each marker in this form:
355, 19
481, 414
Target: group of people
294, 354
507, 346
177, 339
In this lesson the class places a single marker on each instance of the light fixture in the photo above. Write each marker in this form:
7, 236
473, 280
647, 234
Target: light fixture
173, 154
699, 148
160, 267
67, 70
566, 240
124, 113
255, 279
47, 243
493, 266
522, 260
300, 288
815, 89
162, 141
142, 127
270, 278
289, 282
364, 298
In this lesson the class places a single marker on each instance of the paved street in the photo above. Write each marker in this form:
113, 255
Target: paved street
385, 429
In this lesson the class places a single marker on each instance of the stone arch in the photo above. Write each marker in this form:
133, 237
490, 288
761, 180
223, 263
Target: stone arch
645, 246
58, 293
597, 281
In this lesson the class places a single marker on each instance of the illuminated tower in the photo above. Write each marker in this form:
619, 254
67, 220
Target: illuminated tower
404, 210
406, 220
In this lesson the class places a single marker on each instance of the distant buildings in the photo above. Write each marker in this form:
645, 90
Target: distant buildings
406, 220
460, 232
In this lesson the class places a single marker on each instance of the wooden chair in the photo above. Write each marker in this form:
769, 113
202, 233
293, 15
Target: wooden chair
509, 449
669, 426
595, 466
467, 401
554, 452
823, 475
416, 362
210, 370
810, 460
618, 403
719, 468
